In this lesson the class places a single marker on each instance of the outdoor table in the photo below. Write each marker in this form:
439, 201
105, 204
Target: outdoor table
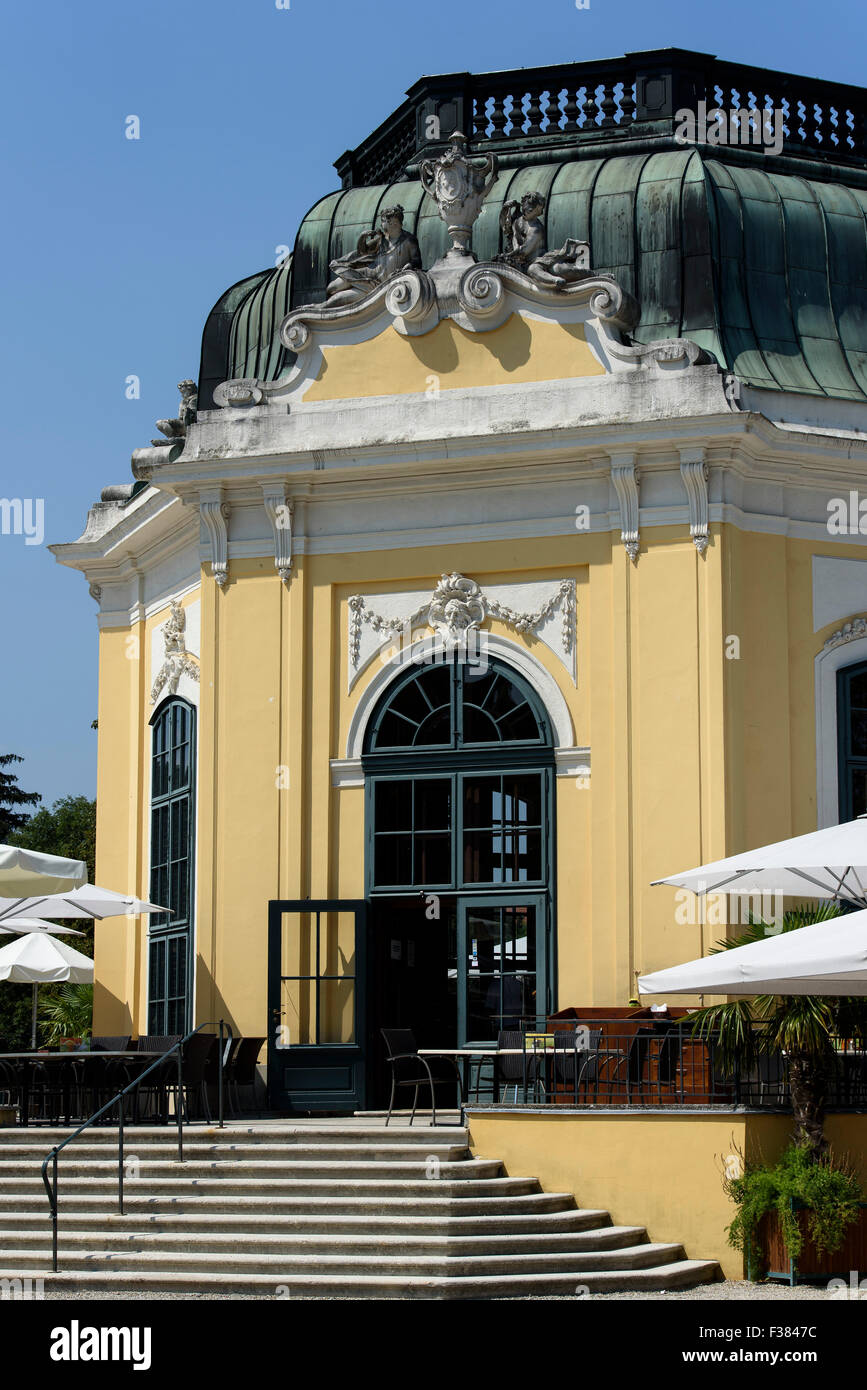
30, 1059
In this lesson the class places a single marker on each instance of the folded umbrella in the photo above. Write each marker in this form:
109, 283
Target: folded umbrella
822, 958
40, 958
20, 926
84, 901
829, 863
25, 871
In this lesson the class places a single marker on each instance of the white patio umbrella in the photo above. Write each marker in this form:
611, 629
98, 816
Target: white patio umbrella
823, 958
830, 863
28, 871
40, 958
84, 901
20, 926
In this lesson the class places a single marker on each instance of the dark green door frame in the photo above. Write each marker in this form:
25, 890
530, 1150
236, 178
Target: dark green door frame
317, 1077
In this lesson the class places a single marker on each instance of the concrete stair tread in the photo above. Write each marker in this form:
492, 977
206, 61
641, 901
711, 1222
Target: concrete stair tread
313, 1211
678, 1274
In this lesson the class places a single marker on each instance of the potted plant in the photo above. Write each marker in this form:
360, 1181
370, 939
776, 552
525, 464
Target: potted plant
802, 1217
67, 1017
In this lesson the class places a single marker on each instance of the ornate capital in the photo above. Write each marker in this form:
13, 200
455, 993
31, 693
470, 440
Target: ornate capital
278, 509
624, 476
215, 513
693, 470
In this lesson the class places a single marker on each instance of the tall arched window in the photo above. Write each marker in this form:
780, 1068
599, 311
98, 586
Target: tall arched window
459, 758
852, 740
459, 777
173, 780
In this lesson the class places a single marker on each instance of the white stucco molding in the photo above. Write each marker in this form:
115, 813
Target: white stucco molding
624, 476
278, 509
526, 665
694, 471
214, 512
845, 647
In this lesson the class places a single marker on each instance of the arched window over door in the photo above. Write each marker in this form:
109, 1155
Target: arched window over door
170, 936
459, 776
852, 740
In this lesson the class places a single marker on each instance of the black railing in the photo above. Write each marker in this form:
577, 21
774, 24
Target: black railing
225, 1031
663, 1066
637, 95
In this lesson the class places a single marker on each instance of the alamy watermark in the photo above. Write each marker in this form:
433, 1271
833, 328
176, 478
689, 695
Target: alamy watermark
23, 516
723, 910
746, 126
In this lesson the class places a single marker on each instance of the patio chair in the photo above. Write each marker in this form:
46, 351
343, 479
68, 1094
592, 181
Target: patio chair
160, 1081
637, 1057
577, 1063
771, 1069
402, 1054
199, 1050
515, 1070
242, 1071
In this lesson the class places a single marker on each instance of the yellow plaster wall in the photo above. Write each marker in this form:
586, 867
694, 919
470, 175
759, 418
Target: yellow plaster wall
660, 1171
520, 350
693, 755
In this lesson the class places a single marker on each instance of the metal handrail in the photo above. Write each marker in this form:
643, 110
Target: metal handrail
223, 1056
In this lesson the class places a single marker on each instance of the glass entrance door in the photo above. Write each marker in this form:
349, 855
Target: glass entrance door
502, 976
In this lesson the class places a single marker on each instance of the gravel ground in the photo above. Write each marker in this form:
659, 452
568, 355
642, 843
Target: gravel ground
727, 1290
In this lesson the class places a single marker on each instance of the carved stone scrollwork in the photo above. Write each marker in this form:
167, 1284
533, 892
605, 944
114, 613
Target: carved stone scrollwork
215, 513
178, 661
669, 350
95, 591
693, 470
457, 606
624, 476
458, 186
279, 512
849, 632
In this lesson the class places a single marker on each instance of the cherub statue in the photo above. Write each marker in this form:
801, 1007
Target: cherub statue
377, 257
177, 429
524, 237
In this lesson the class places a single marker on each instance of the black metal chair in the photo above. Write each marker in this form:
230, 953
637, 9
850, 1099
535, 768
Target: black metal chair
576, 1060
160, 1081
402, 1052
97, 1078
242, 1071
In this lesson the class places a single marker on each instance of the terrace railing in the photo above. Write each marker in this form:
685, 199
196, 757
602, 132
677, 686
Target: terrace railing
636, 97
118, 1102
658, 1067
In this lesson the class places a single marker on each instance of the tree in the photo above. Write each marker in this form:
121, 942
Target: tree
69, 829
804, 1027
11, 796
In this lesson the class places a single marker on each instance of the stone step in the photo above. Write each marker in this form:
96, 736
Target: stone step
401, 1220
148, 1240
73, 1187
192, 1169
320, 1264
677, 1275
197, 1150
45, 1137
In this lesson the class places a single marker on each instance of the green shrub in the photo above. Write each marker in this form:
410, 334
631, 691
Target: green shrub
826, 1187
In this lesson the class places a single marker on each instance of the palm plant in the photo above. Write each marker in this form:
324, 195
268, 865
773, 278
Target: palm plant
68, 1014
803, 1026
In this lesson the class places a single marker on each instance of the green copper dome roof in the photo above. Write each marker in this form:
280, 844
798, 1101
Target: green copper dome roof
760, 259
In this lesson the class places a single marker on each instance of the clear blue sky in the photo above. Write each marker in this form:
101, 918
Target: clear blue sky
115, 250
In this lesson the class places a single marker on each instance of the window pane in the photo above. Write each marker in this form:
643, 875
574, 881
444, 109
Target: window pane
858, 690
482, 857
522, 857
393, 859
433, 859
522, 800
437, 728
393, 805
483, 801
433, 804
479, 727
858, 732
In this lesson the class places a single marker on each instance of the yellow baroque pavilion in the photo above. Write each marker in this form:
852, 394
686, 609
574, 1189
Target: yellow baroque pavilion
478, 588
